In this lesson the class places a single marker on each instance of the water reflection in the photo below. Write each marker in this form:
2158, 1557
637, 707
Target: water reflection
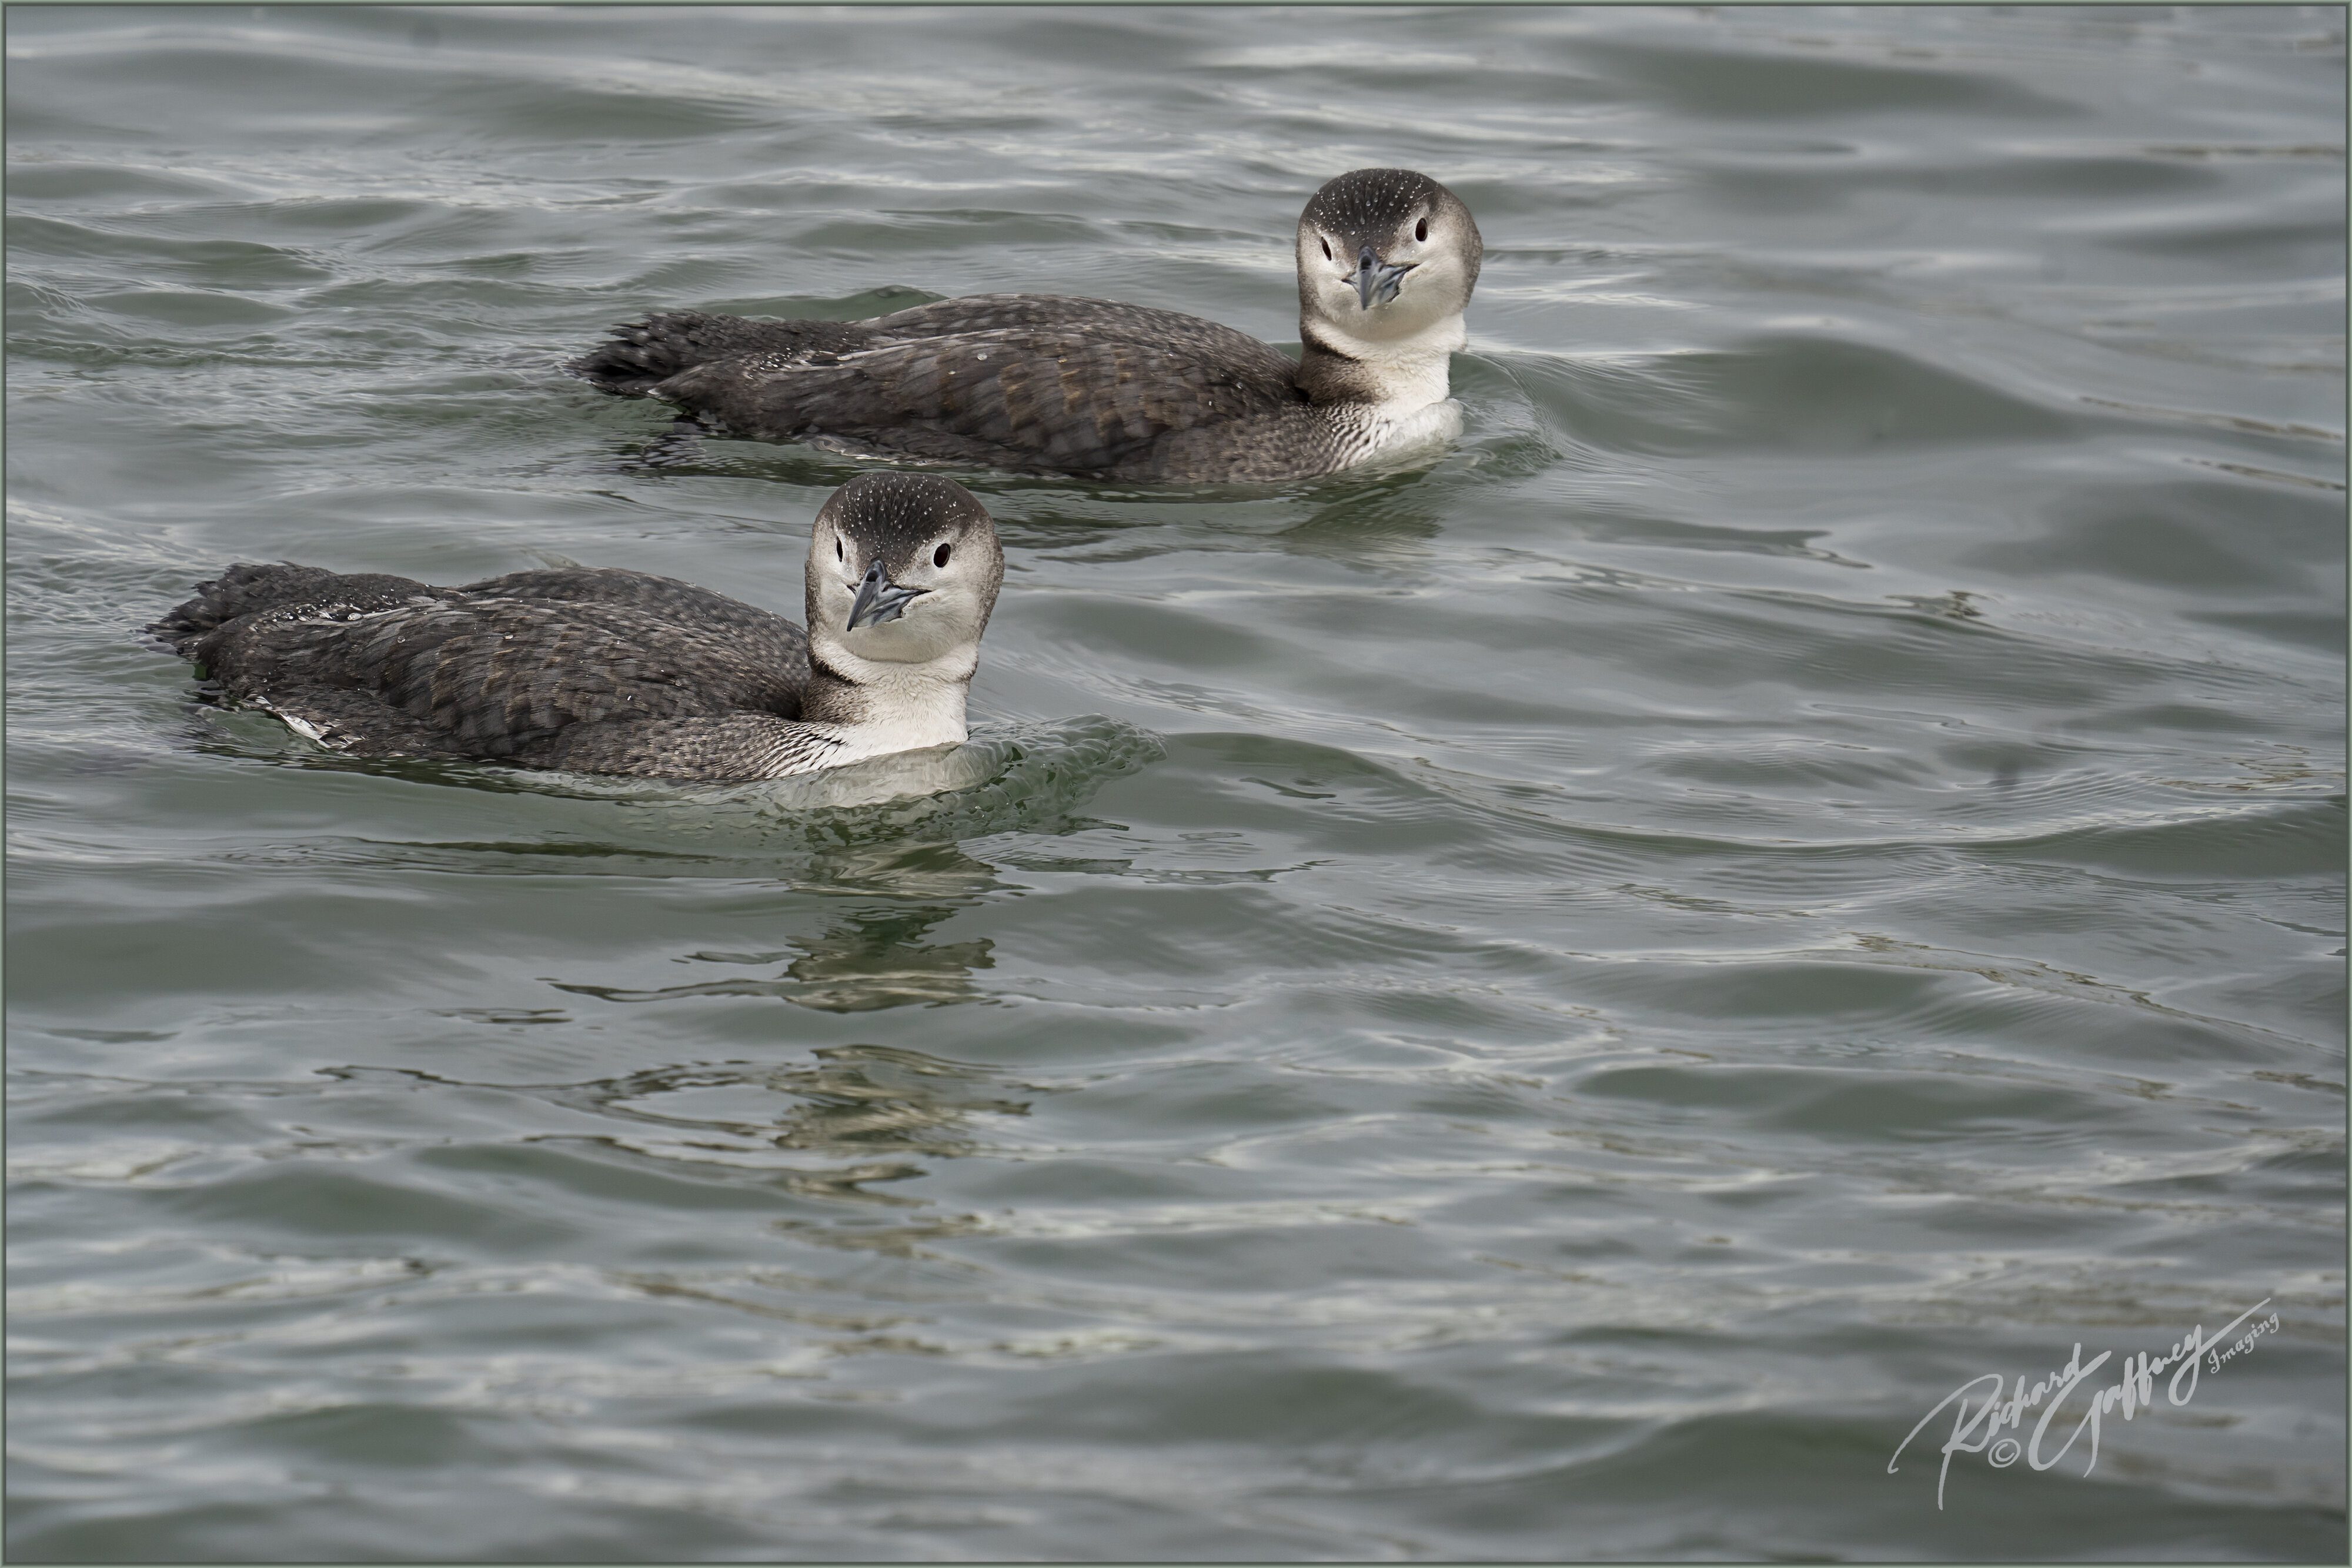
873, 959
864, 1101
872, 954
869, 1115
1394, 514
679, 448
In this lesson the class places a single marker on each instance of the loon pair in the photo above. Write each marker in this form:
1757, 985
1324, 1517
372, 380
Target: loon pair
621, 672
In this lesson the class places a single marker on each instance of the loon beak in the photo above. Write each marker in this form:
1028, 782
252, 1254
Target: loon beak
1376, 281
879, 599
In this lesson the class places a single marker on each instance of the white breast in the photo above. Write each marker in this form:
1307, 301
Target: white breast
906, 706
1394, 428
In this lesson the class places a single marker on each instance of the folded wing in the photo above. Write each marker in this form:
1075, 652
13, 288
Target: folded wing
1028, 382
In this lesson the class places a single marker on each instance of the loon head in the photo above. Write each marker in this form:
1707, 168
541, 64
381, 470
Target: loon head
903, 569
1385, 254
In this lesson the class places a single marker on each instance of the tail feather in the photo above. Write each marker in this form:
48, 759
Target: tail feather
641, 355
252, 588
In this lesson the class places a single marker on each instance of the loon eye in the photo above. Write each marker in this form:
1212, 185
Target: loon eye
1326, 250
939, 555
839, 553
1420, 229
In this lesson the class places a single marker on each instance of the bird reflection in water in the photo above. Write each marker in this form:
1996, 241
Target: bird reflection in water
1389, 516
871, 955
875, 959
851, 1099
829, 1130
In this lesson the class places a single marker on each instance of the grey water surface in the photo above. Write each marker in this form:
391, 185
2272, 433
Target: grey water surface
1550, 1004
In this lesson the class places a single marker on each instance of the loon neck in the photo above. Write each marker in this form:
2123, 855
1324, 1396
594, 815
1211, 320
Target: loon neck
1402, 374
898, 707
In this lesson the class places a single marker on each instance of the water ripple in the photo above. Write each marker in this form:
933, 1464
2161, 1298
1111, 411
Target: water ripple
1546, 1003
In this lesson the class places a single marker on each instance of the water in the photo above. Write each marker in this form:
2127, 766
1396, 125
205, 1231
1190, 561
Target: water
1550, 1005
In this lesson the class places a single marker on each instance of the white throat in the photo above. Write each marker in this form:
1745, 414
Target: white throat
902, 707
1407, 373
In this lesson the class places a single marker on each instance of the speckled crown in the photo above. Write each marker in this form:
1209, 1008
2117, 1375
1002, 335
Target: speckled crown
1368, 205
897, 513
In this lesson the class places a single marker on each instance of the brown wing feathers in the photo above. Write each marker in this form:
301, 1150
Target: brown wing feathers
1027, 382
500, 669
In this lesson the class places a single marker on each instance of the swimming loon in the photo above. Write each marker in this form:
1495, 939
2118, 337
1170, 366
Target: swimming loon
1037, 383
621, 672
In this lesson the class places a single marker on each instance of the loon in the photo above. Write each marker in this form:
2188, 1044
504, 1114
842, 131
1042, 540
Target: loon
1037, 383
608, 671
